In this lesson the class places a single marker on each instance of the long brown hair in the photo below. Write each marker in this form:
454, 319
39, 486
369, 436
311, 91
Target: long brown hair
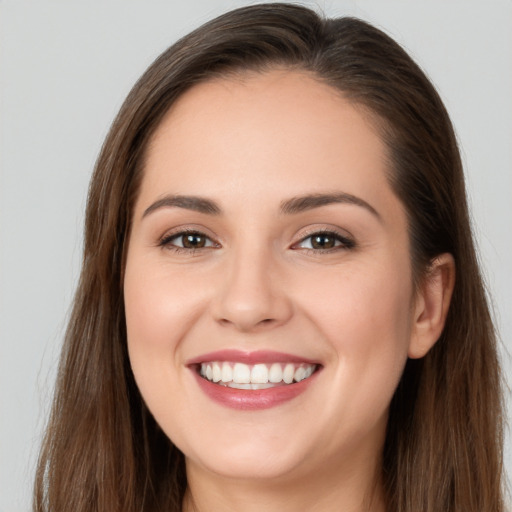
103, 450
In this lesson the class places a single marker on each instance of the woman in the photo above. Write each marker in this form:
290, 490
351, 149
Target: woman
268, 315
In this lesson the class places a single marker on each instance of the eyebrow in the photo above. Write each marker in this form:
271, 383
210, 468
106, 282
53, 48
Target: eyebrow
291, 206
197, 204
308, 202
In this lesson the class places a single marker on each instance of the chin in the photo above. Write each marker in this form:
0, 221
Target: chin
249, 466
253, 457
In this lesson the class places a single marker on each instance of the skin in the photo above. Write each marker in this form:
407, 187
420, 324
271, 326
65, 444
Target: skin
248, 144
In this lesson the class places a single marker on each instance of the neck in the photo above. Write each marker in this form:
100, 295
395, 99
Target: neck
323, 491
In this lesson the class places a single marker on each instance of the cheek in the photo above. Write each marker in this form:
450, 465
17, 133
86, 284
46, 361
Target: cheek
155, 315
371, 303
160, 308
158, 304
365, 318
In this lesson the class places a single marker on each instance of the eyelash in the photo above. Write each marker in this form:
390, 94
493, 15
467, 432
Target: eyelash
344, 243
166, 241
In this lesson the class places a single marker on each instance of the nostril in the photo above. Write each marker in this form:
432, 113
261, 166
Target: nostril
247, 323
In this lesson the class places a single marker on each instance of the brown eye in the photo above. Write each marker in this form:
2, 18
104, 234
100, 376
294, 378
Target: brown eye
188, 240
193, 240
323, 241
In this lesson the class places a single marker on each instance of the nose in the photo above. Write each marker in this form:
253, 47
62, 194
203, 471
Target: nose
252, 295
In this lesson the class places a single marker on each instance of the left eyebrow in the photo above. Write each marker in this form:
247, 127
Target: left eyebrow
198, 204
301, 204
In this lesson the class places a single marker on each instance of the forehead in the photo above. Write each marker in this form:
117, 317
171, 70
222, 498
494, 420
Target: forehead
278, 132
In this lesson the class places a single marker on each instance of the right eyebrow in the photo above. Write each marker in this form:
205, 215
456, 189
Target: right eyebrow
309, 202
195, 203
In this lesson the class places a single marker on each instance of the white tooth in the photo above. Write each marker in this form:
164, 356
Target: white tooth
216, 372
300, 374
262, 386
309, 371
241, 373
259, 374
227, 373
209, 372
275, 374
203, 370
237, 385
288, 373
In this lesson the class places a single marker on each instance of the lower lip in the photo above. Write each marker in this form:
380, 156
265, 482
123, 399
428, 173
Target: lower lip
255, 399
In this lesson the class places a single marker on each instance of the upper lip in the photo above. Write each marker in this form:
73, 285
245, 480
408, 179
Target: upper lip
250, 357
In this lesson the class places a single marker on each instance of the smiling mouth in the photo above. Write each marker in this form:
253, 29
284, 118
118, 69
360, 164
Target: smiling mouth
256, 376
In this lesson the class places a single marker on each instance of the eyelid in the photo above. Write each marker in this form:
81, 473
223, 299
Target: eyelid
343, 240
165, 240
347, 241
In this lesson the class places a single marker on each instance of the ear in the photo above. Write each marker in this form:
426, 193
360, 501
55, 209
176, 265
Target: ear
432, 304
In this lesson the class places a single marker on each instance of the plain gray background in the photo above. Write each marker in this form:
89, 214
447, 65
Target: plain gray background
65, 68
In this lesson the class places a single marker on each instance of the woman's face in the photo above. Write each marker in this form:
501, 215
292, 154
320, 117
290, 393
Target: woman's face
267, 244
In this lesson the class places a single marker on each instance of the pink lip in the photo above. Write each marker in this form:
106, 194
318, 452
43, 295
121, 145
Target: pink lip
239, 356
251, 400
256, 399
